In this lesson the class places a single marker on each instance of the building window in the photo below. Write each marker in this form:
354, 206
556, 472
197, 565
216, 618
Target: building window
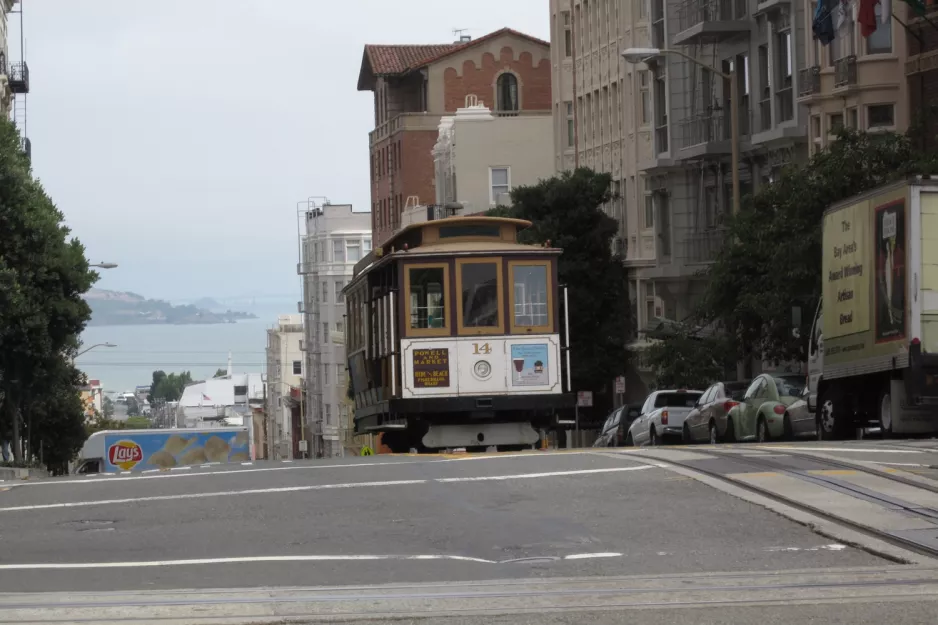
649, 216
880, 116
499, 185
367, 246
567, 35
853, 119
340, 326
325, 291
664, 212
880, 42
328, 414
507, 92
340, 374
835, 122
338, 251
571, 128
339, 285
354, 251
325, 376
645, 97
297, 367
815, 127
325, 332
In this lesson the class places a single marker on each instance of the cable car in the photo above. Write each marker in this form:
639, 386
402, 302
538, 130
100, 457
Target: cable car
453, 338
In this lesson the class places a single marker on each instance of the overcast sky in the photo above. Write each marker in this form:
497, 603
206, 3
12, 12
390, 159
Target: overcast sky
177, 136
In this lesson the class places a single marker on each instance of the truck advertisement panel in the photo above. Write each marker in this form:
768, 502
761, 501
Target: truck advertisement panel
145, 450
847, 271
865, 279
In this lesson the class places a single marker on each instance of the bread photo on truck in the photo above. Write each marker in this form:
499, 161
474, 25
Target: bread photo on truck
873, 348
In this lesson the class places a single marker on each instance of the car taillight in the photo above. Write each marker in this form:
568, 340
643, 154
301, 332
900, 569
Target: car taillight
664, 417
728, 404
779, 409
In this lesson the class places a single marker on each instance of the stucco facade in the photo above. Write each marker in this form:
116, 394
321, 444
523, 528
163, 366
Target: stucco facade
285, 369
480, 157
335, 238
414, 86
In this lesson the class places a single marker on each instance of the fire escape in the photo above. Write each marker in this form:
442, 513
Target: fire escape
18, 77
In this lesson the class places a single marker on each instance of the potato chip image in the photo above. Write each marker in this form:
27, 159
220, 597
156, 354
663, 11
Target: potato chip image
241, 456
240, 440
216, 449
195, 455
162, 459
175, 444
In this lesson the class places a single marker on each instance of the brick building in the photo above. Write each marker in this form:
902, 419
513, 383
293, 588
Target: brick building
921, 70
415, 85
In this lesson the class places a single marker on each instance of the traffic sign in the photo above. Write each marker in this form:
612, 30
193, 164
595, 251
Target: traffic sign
620, 384
367, 451
584, 399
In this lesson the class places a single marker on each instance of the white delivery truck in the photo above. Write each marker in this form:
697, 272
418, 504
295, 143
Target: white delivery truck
111, 451
873, 350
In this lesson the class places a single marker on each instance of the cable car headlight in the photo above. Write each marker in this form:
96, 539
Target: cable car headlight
483, 369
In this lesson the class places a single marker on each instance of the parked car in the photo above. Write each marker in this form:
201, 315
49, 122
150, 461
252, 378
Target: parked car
662, 417
707, 421
773, 406
617, 425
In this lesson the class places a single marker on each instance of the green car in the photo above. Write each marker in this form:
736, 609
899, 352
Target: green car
772, 407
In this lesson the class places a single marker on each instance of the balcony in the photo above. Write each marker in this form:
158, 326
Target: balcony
19, 77
303, 269
809, 81
845, 72
703, 246
711, 21
404, 121
710, 134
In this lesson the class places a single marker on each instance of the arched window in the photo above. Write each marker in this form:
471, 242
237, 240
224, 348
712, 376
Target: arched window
507, 92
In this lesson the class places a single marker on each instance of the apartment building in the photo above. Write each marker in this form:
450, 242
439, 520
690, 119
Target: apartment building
284, 428
415, 85
921, 68
335, 238
479, 156
662, 129
14, 76
6, 92
856, 81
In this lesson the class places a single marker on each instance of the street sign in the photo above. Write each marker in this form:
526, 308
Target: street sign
584, 399
620, 384
367, 451
303, 446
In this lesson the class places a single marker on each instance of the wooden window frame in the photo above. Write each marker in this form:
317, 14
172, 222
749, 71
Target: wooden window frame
447, 308
521, 329
462, 330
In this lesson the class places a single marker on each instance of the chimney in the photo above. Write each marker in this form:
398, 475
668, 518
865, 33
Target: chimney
464, 38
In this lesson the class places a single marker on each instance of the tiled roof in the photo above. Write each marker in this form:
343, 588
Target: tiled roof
384, 60
402, 58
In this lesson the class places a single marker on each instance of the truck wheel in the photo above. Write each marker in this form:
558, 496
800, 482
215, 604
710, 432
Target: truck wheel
885, 411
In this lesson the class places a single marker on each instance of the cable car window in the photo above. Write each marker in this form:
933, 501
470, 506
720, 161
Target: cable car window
530, 289
531, 296
480, 294
427, 299
448, 232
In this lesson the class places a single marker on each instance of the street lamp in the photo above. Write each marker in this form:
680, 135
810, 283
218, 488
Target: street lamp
641, 55
104, 265
92, 347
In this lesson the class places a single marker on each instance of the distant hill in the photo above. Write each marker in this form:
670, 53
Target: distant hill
119, 308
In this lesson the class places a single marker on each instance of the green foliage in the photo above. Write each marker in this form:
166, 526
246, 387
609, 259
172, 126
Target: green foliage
99, 422
107, 406
168, 387
220, 373
133, 408
772, 261
686, 361
43, 274
566, 212
137, 423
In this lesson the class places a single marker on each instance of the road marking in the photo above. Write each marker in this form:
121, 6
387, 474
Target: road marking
246, 464
588, 556
523, 476
293, 489
180, 468
754, 474
893, 464
286, 461
834, 547
242, 560
225, 493
862, 450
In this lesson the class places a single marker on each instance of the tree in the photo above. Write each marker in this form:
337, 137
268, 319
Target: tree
137, 423
107, 407
43, 273
220, 373
773, 259
168, 387
684, 360
566, 212
55, 415
133, 408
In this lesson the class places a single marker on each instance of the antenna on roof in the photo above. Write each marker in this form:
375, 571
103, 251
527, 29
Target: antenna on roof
463, 34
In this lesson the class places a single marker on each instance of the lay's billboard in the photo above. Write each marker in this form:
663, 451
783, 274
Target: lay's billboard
153, 450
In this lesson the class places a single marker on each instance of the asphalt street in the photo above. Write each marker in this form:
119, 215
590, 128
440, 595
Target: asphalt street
421, 521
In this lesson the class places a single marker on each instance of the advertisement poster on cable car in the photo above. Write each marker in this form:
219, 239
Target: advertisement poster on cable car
529, 365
